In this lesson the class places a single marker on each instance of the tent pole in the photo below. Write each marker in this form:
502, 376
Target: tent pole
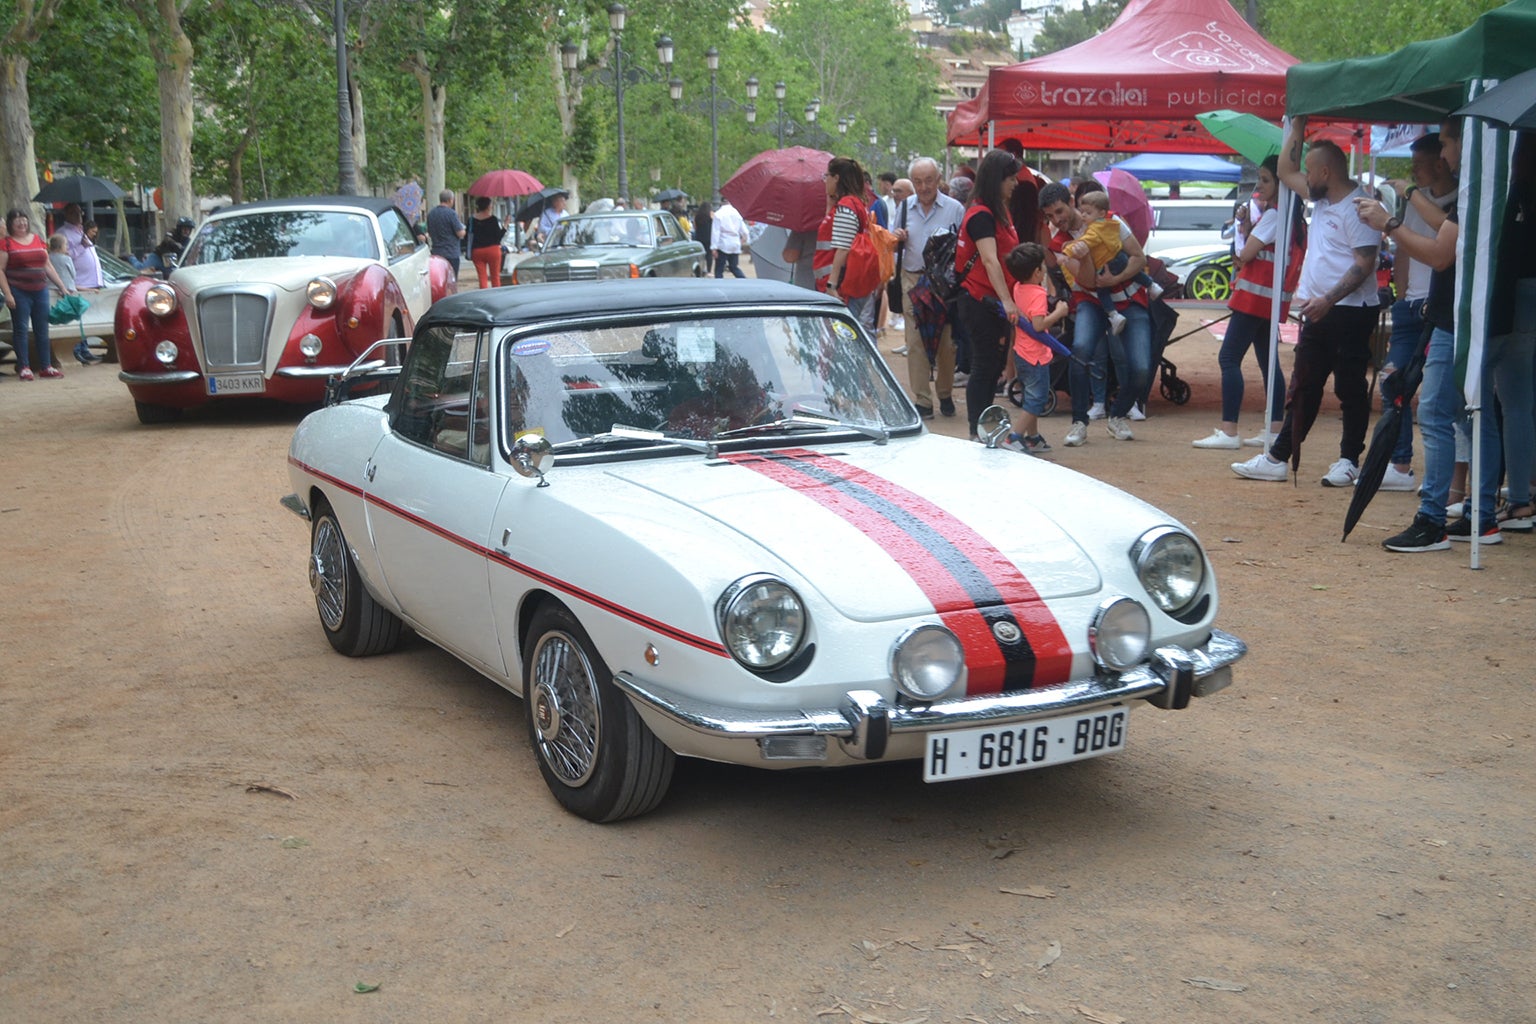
1474, 488
1282, 250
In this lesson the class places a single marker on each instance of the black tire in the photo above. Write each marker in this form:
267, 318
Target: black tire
1175, 390
597, 756
1210, 282
150, 414
354, 623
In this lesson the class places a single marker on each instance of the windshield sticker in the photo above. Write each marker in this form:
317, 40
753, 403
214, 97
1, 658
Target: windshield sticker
531, 347
529, 432
696, 344
843, 331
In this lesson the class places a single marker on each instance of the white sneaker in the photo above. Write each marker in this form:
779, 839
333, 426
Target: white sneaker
1116, 323
1136, 415
1341, 474
961, 379
900, 350
1096, 411
1260, 467
1219, 439
1458, 511
1077, 435
1119, 429
1396, 480
1257, 441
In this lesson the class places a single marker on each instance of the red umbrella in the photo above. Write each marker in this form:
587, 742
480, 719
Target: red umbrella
1128, 201
498, 184
781, 187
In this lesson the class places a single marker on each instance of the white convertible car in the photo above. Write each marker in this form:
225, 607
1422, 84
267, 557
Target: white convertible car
700, 518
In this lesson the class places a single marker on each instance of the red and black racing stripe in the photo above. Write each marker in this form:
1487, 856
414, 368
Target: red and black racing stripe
1011, 639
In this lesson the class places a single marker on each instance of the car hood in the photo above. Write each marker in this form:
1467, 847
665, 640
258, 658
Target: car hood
863, 524
289, 273
593, 253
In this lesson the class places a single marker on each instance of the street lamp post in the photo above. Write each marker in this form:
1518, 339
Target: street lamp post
778, 94
570, 54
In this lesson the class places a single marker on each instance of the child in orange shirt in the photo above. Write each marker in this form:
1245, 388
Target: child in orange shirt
1031, 355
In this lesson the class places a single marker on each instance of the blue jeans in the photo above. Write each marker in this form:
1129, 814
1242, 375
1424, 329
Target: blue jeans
1440, 406
728, 261
1131, 349
1512, 360
1245, 331
1407, 330
29, 322
1035, 380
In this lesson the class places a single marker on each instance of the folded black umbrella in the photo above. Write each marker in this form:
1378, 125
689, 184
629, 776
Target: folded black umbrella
666, 195
79, 188
1399, 389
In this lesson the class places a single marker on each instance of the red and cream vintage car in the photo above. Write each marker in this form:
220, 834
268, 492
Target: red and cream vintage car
271, 299
701, 518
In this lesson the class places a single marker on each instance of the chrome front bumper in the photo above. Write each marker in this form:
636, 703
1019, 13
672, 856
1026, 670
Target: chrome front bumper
864, 721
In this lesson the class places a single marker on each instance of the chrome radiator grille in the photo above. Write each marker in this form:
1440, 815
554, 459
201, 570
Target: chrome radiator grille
571, 273
234, 328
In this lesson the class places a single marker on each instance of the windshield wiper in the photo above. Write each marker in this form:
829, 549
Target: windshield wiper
803, 419
622, 434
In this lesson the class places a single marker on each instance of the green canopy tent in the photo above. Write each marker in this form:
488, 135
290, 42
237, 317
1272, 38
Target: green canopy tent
1425, 82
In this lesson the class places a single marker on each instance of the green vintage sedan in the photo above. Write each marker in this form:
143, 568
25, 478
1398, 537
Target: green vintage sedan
615, 244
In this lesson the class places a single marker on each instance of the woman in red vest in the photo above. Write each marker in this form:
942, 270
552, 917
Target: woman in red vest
986, 306
1252, 305
846, 217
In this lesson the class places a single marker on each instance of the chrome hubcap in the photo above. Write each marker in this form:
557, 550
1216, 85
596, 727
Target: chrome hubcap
327, 573
565, 708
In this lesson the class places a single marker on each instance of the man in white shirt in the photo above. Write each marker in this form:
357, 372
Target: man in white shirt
727, 234
926, 213
1337, 302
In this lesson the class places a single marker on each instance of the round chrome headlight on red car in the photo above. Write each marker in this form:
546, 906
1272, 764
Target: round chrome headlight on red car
160, 299
321, 293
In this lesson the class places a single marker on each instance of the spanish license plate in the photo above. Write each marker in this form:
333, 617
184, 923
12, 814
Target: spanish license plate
997, 750
237, 384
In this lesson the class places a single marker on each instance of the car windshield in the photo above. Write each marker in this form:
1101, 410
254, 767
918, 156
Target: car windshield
267, 233
601, 231
701, 378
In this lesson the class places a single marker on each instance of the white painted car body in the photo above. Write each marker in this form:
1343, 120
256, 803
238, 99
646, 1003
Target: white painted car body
644, 543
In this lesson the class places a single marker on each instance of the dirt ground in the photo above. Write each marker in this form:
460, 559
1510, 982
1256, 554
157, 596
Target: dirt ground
1345, 835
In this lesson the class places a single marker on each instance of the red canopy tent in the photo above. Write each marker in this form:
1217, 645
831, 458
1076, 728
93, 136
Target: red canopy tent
1136, 86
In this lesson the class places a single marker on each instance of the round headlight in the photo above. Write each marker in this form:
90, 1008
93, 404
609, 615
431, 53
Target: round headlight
927, 662
166, 352
1120, 634
160, 299
321, 293
1171, 567
761, 621
309, 345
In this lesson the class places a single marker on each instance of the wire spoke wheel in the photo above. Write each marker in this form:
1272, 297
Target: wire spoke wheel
328, 573
565, 708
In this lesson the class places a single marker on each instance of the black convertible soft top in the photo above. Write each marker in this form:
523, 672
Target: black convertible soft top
533, 303
373, 204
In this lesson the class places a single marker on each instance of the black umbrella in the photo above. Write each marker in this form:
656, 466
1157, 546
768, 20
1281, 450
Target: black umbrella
79, 188
666, 195
1511, 103
1399, 389
534, 205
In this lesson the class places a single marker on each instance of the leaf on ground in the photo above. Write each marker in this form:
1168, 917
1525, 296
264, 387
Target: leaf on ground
1005, 853
1216, 984
1035, 892
363, 988
957, 947
1100, 1017
563, 932
294, 843
1435, 842
1052, 954
1025, 1010
1318, 586
263, 787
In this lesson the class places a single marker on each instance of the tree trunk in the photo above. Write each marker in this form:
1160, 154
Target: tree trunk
434, 97
237, 166
359, 136
567, 99
18, 158
172, 50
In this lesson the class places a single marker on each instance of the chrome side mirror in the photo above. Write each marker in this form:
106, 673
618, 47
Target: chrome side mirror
993, 425
529, 453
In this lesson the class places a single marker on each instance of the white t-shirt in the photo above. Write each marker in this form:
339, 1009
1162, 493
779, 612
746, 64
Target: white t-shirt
1267, 229
1336, 232
1418, 273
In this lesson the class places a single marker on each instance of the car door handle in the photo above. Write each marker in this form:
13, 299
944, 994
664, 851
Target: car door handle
370, 469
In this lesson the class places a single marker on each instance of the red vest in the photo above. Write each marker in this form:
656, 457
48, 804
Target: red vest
977, 282
821, 263
1254, 290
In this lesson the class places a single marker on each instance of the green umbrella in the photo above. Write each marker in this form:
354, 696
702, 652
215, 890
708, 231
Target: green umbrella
66, 308
1249, 135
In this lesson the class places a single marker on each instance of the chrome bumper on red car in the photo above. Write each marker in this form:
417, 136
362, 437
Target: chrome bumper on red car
865, 720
